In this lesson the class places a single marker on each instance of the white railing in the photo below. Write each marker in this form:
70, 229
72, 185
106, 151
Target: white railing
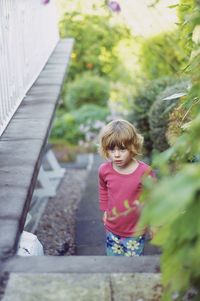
28, 35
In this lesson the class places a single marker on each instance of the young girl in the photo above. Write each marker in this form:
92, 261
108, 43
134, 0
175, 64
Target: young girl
120, 183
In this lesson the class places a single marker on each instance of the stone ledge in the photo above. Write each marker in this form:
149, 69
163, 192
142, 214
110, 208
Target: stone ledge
83, 264
22, 146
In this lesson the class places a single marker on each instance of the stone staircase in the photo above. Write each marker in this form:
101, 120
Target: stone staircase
83, 278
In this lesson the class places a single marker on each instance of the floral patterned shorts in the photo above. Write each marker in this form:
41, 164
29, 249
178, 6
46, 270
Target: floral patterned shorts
124, 246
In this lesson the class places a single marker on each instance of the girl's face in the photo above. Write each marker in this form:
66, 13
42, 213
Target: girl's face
121, 157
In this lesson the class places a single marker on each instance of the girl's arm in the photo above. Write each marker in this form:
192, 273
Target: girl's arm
103, 193
104, 217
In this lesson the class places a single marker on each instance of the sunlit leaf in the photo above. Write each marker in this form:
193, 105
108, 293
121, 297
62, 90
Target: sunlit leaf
115, 211
173, 6
126, 204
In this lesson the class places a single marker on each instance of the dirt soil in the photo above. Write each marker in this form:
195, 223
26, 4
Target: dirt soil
56, 229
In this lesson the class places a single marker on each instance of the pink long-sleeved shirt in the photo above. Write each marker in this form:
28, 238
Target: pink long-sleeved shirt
118, 195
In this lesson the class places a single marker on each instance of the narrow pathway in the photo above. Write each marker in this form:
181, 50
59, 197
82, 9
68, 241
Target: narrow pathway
90, 235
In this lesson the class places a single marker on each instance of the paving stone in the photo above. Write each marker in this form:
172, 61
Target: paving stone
136, 287
51, 287
83, 287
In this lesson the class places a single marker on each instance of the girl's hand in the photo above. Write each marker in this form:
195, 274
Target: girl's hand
151, 233
104, 217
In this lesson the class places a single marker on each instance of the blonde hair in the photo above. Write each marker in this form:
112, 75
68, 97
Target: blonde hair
122, 134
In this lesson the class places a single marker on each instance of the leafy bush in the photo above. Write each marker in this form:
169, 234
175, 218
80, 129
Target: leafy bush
85, 90
185, 10
80, 125
91, 119
178, 120
144, 98
90, 113
96, 39
162, 55
66, 128
174, 202
159, 115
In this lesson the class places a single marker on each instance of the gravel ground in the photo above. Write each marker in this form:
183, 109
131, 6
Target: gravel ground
56, 229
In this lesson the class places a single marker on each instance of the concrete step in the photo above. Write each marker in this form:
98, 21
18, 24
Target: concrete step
83, 287
83, 278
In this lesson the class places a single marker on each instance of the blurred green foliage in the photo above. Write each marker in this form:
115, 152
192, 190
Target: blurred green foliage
78, 124
66, 128
159, 114
143, 100
96, 40
174, 202
97, 61
91, 113
86, 88
187, 19
162, 55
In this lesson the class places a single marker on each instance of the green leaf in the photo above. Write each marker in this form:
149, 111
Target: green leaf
114, 211
126, 204
172, 6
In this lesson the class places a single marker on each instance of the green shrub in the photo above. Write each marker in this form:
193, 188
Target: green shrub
91, 119
160, 112
96, 39
86, 89
80, 125
162, 55
173, 204
144, 99
90, 113
185, 10
66, 128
